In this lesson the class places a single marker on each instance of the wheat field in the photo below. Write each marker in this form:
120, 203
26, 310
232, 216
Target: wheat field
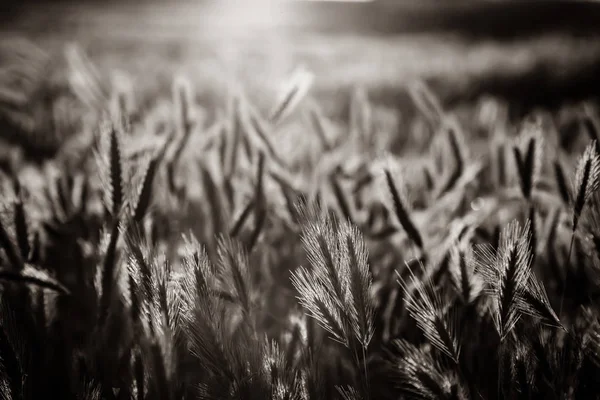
300, 216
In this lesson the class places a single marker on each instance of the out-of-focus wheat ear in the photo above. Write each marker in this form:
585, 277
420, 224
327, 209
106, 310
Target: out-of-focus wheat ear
587, 179
428, 176
35, 254
183, 99
215, 198
292, 94
84, 79
319, 124
361, 119
562, 184
11, 366
243, 217
139, 376
32, 276
527, 167
234, 134
144, 197
396, 202
116, 173
467, 284
257, 127
553, 260
590, 126
427, 103
260, 200
20, 220
10, 250
501, 164
340, 196
425, 307
456, 142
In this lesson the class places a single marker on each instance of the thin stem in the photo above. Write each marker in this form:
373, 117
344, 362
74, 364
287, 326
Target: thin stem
562, 297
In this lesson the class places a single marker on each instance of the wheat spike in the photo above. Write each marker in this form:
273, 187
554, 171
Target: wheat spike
587, 179
506, 272
295, 90
397, 202
425, 306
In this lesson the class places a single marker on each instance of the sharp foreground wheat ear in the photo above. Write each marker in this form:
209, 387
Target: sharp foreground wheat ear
425, 306
587, 180
506, 272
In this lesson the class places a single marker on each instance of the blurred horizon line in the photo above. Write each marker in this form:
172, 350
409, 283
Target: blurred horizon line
505, 19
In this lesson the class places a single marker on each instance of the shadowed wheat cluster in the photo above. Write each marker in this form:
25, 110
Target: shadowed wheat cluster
193, 254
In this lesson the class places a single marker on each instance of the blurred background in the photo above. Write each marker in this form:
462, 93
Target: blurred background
532, 53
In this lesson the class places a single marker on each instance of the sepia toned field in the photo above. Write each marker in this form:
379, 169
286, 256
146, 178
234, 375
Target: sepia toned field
203, 201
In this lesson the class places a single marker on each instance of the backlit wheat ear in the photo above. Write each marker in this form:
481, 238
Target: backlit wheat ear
396, 201
294, 92
425, 306
587, 179
506, 272
528, 162
360, 284
535, 302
